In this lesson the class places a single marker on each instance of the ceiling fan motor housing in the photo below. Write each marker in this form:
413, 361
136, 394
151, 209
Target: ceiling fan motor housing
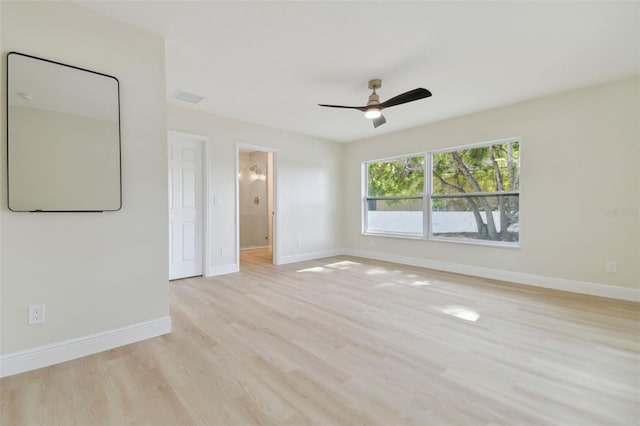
374, 99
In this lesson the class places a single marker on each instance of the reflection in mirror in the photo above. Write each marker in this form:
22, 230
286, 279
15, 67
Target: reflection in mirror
63, 137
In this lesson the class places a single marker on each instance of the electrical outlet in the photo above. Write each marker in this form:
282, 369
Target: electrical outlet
611, 266
36, 314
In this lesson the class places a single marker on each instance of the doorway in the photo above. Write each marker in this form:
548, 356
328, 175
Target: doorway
256, 205
185, 155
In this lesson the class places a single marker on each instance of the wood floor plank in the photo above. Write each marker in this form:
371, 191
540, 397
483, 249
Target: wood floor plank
349, 341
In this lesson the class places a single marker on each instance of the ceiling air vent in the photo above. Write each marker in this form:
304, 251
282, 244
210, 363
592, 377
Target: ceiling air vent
187, 97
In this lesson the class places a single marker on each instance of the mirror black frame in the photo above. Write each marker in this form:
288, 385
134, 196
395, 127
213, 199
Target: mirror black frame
119, 142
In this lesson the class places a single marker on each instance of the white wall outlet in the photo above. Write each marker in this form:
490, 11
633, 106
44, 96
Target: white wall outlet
36, 314
611, 266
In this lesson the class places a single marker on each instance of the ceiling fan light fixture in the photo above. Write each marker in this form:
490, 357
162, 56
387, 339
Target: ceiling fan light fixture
373, 113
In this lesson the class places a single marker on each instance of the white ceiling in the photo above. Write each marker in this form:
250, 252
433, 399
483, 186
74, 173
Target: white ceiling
271, 63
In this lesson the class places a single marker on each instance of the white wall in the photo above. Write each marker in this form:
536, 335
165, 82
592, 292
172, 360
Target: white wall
309, 171
94, 271
579, 186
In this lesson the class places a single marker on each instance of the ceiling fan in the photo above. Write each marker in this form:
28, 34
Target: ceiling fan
374, 107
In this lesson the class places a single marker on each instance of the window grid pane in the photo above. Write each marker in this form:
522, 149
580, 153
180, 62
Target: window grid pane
397, 217
396, 177
487, 168
491, 218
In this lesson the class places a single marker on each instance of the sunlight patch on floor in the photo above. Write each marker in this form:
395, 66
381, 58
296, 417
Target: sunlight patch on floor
461, 312
331, 267
344, 265
315, 269
402, 283
377, 271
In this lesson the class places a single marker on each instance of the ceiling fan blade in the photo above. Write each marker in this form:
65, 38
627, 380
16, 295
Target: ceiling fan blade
410, 96
379, 121
362, 108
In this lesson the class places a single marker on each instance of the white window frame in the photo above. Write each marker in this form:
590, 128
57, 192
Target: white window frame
427, 197
366, 198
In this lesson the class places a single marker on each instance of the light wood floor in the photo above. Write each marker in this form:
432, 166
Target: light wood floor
255, 257
345, 341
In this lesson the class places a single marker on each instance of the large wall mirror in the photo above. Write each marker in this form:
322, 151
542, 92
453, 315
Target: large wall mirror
63, 137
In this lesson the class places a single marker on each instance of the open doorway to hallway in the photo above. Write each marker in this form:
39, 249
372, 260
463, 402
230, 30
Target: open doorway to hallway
256, 206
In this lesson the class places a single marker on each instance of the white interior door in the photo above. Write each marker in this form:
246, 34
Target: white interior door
185, 206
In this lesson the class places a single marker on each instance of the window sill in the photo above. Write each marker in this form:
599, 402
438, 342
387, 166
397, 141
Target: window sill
483, 243
391, 235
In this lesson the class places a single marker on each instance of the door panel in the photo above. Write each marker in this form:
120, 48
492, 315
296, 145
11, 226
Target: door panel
188, 189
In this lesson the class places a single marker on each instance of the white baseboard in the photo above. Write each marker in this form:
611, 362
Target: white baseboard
582, 287
282, 260
253, 248
43, 356
222, 269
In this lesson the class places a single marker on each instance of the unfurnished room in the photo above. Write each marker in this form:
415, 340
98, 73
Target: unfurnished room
320, 213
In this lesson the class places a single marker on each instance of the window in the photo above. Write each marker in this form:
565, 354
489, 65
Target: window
395, 196
475, 192
463, 194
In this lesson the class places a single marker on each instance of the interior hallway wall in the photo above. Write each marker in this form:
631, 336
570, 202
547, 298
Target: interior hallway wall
309, 187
